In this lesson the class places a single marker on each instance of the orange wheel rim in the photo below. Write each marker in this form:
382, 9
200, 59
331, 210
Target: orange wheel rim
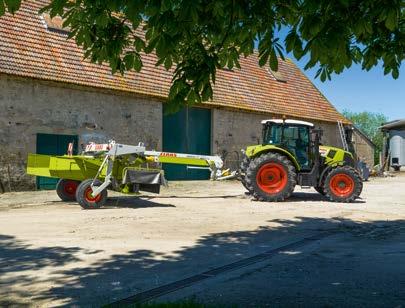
272, 178
342, 185
89, 197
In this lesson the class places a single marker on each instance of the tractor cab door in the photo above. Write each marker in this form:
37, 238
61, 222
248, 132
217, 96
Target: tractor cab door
294, 138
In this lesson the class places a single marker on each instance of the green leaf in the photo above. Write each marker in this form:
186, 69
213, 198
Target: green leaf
290, 40
12, 5
102, 20
165, 5
391, 21
207, 92
323, 75
395, 73
161, 47
2, 8
280, 51
139, 44
264, 57
345, 2
273, 60
138, 63
168, 63
129, 61
318, 72
193, 97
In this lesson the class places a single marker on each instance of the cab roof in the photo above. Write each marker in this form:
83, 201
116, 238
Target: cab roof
280, 121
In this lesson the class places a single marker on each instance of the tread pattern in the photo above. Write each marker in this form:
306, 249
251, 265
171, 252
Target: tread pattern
244, 165
254, 167
82, 200
354, 174
60, 190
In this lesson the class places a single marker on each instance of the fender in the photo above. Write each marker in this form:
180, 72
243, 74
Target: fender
327, 169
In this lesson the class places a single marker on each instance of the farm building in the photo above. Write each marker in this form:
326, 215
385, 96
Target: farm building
50, 96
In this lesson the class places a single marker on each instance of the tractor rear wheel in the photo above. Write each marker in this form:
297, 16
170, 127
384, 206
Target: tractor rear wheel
66, 189
84, 197
343, 184
271, 177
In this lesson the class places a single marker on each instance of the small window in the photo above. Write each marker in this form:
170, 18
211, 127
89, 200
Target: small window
55, 24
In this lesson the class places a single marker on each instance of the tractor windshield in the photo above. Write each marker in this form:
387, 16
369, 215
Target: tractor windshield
293, 138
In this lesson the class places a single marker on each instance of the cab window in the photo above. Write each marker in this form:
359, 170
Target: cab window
293, 138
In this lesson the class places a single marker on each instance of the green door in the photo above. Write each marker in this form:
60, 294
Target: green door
187, 131
51, 144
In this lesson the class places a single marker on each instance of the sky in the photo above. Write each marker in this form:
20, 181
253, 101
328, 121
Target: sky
357, 90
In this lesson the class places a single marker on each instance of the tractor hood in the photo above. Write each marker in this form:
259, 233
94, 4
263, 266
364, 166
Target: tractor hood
336, 156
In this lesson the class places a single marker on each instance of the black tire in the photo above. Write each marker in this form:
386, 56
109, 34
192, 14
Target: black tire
343, 184
284, 183
85, 200
397, 168
66, 189
243, 168
320, 190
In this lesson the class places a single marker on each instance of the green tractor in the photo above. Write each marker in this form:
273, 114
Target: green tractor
291, 154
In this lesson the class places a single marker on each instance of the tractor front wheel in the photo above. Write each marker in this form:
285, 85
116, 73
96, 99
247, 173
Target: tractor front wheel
84, 197
66, 189
343, 184
271, 177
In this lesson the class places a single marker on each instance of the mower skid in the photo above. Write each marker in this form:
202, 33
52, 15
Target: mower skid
143, 176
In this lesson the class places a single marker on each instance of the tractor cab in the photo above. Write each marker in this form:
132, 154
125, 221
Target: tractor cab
291, 135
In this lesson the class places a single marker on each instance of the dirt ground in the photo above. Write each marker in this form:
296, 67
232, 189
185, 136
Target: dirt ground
54, 253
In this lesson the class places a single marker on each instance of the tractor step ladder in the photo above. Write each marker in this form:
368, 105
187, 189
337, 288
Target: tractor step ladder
343, 135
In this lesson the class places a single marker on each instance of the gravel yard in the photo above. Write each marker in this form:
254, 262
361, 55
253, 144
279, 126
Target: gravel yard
55, 253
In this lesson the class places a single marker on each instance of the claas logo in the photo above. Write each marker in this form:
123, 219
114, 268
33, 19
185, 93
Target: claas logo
168, 154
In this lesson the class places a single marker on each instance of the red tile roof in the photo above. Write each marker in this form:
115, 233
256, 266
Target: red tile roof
28, 48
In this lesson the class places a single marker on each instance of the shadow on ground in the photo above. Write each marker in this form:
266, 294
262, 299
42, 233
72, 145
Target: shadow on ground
131, 202
146, 201
313, 196
18, 258
295, 197
124, 275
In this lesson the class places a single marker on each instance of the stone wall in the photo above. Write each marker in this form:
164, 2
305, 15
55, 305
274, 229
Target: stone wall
330, 133
28, 107
364, 150
233, 131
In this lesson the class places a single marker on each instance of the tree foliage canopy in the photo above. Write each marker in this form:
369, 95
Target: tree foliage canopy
198, 37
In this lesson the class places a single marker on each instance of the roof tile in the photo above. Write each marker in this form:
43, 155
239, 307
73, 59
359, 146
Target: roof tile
28, 49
